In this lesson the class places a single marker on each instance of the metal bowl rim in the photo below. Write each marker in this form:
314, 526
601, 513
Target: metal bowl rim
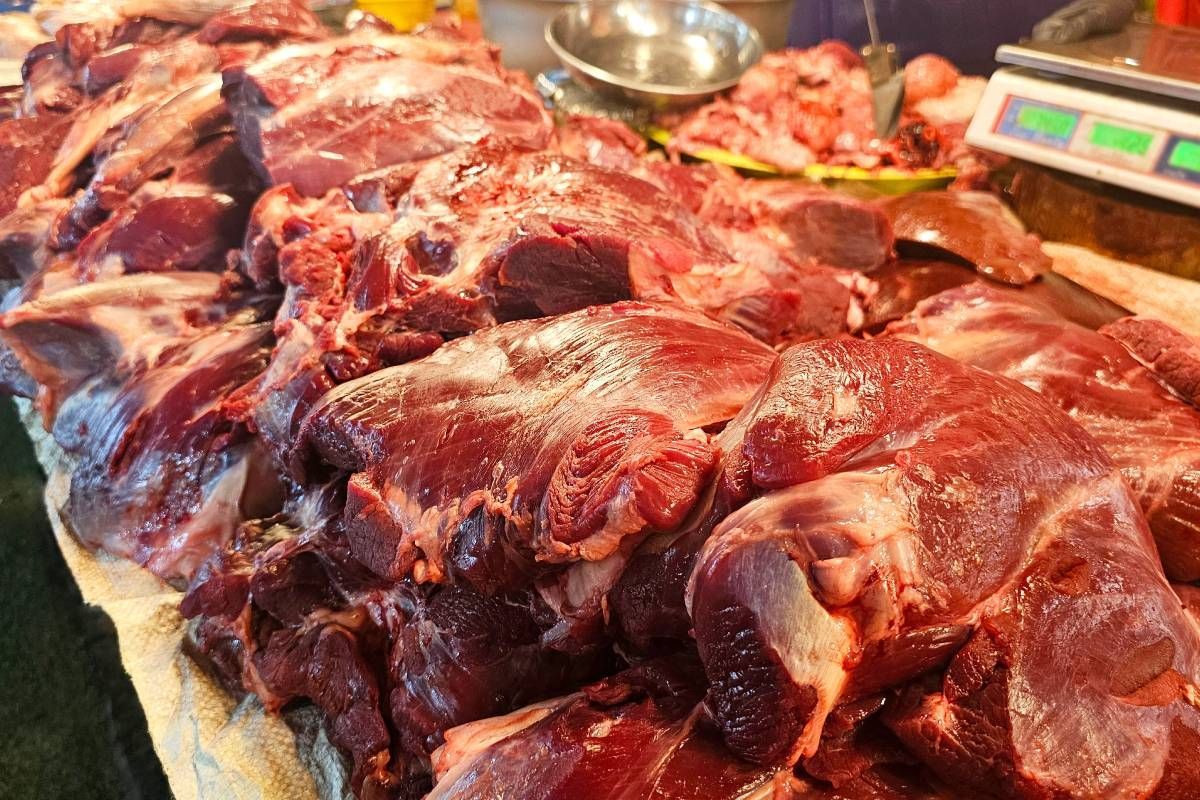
613, 79
576, 2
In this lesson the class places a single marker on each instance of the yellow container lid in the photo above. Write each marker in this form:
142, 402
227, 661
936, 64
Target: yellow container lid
403, 14
885, 180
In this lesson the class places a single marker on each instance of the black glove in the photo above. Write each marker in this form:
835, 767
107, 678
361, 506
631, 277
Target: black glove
1084, 18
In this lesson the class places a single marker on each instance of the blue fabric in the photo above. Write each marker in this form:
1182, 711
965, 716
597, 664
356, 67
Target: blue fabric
965, 31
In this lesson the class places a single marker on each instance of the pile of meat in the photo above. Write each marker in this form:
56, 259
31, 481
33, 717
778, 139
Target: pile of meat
547, 468
797, 108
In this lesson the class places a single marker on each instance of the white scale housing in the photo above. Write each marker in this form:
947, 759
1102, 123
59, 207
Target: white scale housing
1123, 109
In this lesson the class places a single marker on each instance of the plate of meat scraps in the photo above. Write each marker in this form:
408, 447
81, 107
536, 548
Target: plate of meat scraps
807, 113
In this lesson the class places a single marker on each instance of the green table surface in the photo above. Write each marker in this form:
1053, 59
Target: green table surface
70, 723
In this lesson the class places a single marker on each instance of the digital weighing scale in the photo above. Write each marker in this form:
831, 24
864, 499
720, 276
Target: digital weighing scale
1123, 109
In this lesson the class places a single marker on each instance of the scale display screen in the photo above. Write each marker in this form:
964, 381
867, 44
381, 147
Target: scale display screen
1039, 123
1101, 139
1140, 142
1181, 160
1045, 120
1185, 155
1122, 139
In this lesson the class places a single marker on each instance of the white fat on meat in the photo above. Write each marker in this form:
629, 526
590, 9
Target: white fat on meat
814, 643
466, 742
158, 77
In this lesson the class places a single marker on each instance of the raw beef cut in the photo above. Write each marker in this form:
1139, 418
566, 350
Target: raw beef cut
602, 141
1151, 434
974, 226
486, 235
163, 477
581, 467
307, 246
900, 285
427, 658
317, 115
327, 666
1190, 596
647, 605
490, 234
593, 435
463, 655
263, 20
331, 664
904, 524
646, 610
27, 147
805, 222
86, 58
25, 239
590, 426
109, 58
761, 289
860, 759
337, 221
644, 734
163, 74
165, 193
1172, 356
121, 325
828, 227
48, 82
149, 147
641, 734
288, 615
189, 220
496, 234
440, 411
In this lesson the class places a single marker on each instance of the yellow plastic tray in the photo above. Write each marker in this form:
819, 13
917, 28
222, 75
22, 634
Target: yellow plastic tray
885, 180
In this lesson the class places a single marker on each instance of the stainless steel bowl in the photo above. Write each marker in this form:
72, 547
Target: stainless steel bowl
658, 53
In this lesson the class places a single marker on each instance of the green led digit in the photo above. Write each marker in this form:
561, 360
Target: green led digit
1114, 137
1186, 155
1049, 121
